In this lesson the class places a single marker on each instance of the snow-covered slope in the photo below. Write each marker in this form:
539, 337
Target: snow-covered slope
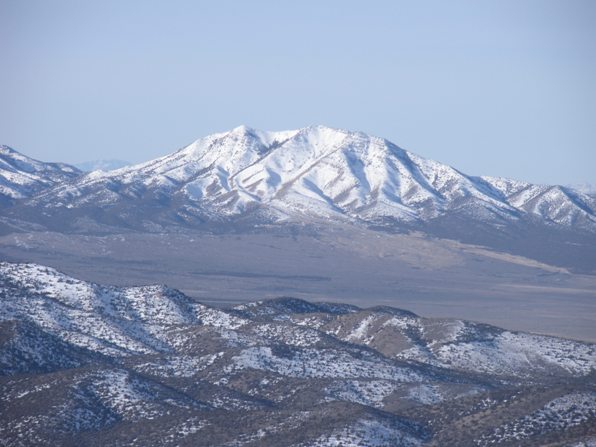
315, 171
86, 364
558, 204
21, 176
109, 320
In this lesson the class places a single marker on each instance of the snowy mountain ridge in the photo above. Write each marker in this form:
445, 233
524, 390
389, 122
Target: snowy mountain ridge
22, 176
315, 171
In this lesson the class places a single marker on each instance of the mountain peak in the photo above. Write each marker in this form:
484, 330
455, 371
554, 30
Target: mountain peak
268, 137
242, 129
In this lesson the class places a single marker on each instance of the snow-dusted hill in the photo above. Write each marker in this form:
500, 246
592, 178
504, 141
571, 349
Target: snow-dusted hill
22, 177
86, 364
312, 172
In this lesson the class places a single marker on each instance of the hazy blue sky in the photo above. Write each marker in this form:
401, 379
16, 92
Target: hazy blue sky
491, 87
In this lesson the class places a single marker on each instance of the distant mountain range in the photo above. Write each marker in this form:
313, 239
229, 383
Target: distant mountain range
101, 165
315, 172
586, 188
87, 364
247, 180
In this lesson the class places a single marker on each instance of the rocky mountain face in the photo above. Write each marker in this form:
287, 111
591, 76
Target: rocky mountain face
22, 177
314, 172
86, 364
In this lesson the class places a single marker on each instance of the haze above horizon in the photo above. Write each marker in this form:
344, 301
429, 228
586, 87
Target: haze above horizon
494, 88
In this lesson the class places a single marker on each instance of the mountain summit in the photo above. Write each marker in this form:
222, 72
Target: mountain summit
317, 172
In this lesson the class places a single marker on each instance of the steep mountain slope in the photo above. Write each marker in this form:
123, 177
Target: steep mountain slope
315, 172
22, 177
85, 364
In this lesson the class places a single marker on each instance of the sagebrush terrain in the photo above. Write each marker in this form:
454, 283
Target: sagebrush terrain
85, 364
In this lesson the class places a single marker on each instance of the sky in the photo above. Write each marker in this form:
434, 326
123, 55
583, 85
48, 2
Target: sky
503, 88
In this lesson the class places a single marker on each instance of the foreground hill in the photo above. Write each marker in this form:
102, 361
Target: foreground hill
86, 364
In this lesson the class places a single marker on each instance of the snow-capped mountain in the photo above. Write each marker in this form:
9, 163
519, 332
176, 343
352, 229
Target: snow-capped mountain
22, 177
86, 364
101, 165
314, 172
